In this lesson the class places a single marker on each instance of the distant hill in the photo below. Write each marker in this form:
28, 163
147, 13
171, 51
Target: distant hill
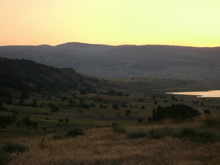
125, 61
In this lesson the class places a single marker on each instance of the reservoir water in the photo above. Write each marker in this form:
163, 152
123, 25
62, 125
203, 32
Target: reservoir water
208, 94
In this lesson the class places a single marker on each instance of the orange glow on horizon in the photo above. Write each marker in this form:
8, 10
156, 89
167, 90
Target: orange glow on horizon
115, 22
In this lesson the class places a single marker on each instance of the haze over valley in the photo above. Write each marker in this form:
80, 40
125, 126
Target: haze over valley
104, 61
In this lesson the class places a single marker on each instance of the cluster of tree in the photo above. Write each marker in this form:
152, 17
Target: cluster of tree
12, 120
177, 112
7, 120
62, 120
112, 92
26, 121
2, 108
54, 107
4, 93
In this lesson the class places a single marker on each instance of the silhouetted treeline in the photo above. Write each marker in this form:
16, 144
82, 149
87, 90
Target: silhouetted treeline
7, 120
177, 112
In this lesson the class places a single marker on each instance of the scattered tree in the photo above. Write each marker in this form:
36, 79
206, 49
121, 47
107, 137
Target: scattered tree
115, 106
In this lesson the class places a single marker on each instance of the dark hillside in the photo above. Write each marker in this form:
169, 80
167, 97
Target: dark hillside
26, 75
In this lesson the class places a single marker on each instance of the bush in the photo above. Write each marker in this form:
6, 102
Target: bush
198, 136
188, 132
140, 121
206, 137
128, 112
158, 133
207, 112
83, 92
1, 106
137, 134
3, 157
119, 130
14, 148
54, 108
114, 124
74, 132
115, 106
57, 136
155, 134
212, 122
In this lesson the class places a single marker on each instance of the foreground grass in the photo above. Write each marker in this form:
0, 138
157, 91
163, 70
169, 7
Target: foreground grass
153, 144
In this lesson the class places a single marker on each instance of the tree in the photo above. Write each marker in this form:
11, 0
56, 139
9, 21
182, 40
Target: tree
83, 92
207, 112
54, 108
127, 112
115, 106
140, 121
66, 120
71, 102
1, 106
24, 95
142, 107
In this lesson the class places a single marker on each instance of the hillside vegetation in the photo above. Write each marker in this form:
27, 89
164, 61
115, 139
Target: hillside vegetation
125, 61
57, 116
24, 76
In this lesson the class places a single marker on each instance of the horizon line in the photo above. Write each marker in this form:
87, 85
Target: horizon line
86, 43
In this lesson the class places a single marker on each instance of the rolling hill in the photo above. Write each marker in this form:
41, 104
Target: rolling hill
125, 61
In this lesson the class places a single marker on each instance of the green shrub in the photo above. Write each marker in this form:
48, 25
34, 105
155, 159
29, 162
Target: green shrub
137, 134
207, 112
140, 121
206, 137
57, 136
54, 108
115, 106
3, 157
114, 124
119, 130
14, 148
74, 132
198, 136
212, 122
155, 134
188, 133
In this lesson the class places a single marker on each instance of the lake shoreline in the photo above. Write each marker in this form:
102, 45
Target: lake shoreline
198, 94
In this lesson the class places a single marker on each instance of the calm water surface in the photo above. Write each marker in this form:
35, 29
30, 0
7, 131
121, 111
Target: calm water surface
211, 93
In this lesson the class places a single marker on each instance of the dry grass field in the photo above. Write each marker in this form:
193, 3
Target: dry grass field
112, 146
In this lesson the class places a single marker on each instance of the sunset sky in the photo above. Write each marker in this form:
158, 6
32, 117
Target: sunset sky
114, 22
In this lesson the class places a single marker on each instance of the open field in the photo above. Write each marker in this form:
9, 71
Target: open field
115, 146
94, 110
111, 136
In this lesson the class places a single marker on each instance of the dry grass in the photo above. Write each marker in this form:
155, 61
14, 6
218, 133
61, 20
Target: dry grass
105, 146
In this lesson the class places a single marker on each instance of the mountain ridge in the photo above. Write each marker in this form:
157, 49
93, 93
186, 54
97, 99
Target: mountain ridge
96, 44
106, 61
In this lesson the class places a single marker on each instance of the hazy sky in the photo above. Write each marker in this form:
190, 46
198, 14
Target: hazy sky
115, 22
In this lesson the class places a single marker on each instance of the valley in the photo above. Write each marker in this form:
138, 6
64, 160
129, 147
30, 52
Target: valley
43, 107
